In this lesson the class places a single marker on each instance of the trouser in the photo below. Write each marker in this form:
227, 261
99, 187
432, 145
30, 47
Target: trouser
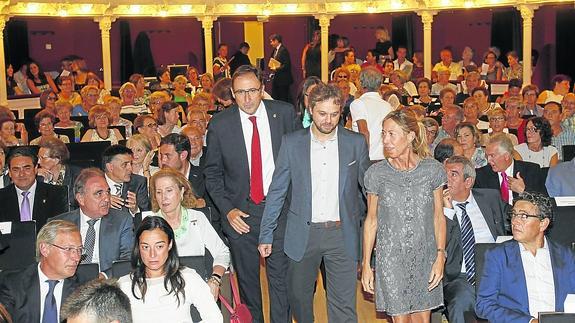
459, 297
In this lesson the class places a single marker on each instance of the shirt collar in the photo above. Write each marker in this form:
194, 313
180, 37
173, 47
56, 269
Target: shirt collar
545, 246
42, 277
32, 189
111, 183
314, 139
260, 113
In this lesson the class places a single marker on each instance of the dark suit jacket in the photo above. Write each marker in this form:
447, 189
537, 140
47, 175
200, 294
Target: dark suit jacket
20, 293
49, 201
531, 173
502, 295
139, 185
493, 209
293, 167
116, 236
196, 176
283, 75
226, 171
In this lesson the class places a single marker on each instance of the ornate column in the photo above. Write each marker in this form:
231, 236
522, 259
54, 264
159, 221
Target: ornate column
105, 24
427, 20
207, 25
324, 21
3, 92
527, 12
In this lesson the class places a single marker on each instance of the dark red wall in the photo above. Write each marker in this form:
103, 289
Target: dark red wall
178, 40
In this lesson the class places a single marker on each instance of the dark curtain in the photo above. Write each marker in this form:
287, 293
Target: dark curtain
506, 32
402, 31
126, 58
564, 40
143, 57
16, 50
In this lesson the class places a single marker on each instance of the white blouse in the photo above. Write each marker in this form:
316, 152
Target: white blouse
159, 306
542, 157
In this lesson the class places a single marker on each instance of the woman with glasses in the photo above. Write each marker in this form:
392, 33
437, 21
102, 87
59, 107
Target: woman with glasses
67, 92
156, 100
48, 100
497, 124
495, 68
44, 122
513, 118
159, 288
94, 80
100, 120
469, 137
538, 148
148, 127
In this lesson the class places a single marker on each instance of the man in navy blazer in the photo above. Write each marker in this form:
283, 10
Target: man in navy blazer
228, 181
24, 292
529, 274
325, 167
114, 228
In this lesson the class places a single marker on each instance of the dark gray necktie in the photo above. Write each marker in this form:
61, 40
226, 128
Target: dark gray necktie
90, 241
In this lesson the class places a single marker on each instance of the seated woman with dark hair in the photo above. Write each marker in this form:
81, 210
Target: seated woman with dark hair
142, 94
53, 165
163, 80
44, 121
469, 138
538, 148
159, 288
173, 199
168, 118
423, 90
48, 100
223, 93
39, 81
100, 119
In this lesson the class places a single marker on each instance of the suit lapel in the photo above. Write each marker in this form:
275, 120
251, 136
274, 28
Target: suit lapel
39, 201
304, 147
557, 265
275, 128
12, 204
106, 225
343, 151
33, 294
486, 211
516, 266
237, 140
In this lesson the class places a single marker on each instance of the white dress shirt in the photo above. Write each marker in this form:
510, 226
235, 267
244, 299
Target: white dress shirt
112, 184
539, 279
509, 172
31, 197
44, 288
84, 230
268, 164
324, 162
481, 230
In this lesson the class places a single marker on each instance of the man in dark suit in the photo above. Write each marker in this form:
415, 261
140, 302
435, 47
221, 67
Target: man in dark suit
27, 199
507, 175
529, 274
129, 191
485, 212
107, 233
45, 285
325, 167
243, 142
282, 77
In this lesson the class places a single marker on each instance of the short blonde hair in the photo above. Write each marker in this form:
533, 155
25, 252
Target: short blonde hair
87, 88
189, 200
140, 139
126, 85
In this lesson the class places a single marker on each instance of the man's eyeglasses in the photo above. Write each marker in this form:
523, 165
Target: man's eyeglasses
522, 216
249, 92
69, 250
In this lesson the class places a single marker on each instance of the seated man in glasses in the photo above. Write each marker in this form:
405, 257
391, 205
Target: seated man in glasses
36, 293
529, 274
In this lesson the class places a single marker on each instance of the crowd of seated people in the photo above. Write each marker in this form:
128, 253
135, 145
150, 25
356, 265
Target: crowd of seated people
174, 181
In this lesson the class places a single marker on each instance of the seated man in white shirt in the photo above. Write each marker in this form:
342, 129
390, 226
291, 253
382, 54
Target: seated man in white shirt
527, 275
36, 293
402, 63
473, 216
